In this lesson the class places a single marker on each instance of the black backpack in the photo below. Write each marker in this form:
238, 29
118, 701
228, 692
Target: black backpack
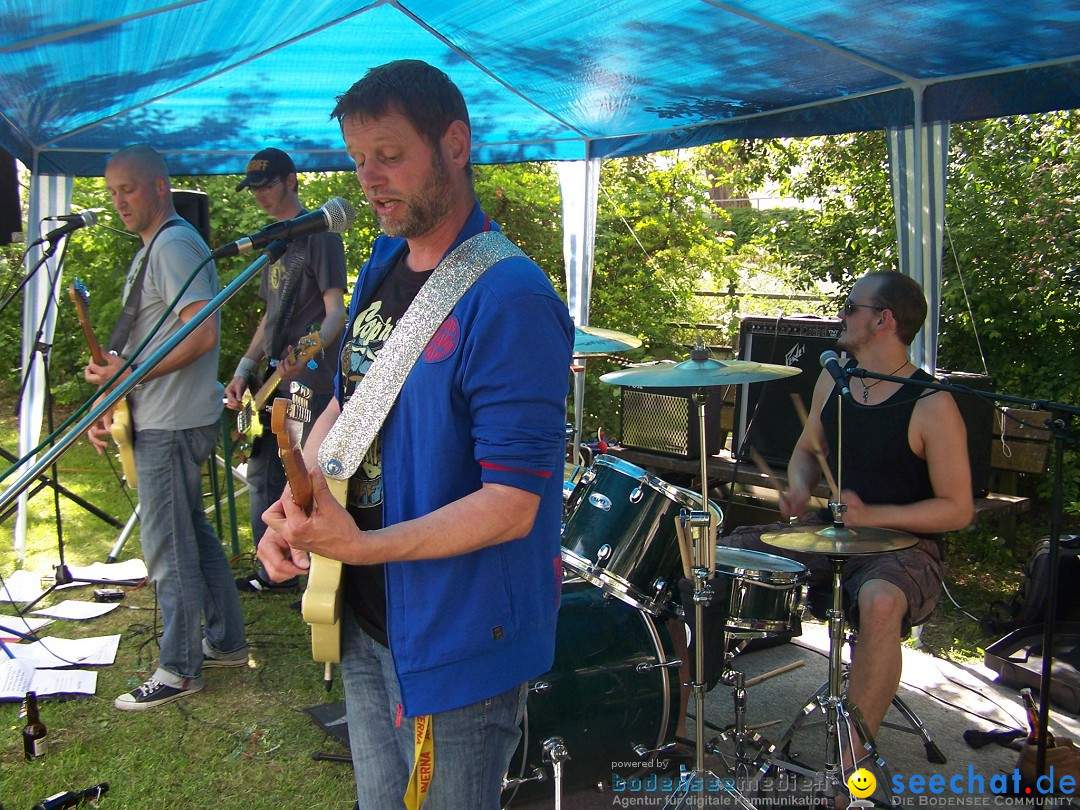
1028, 605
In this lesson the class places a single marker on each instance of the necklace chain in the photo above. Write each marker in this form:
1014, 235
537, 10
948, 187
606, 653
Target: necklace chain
866, 388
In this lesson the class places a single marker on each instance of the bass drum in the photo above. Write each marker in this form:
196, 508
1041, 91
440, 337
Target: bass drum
605, 695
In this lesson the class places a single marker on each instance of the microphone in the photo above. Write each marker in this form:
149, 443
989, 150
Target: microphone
74, 222
830, 361
72, 217
336, 215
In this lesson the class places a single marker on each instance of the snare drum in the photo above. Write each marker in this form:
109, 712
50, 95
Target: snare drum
619, 532
614, 686
758, 592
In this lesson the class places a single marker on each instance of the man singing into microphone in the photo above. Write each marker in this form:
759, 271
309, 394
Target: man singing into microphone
904, 466
305, 310
450, 530
176, 412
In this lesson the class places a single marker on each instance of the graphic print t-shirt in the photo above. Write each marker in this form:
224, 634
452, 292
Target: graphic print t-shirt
366, 334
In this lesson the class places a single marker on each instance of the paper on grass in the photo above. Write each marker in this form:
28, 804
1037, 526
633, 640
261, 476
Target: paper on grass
21, 586
65, 652
126, 571
13, 628
77, 609
19, 677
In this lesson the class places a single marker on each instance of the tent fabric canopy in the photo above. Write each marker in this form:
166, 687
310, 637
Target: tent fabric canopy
209, 82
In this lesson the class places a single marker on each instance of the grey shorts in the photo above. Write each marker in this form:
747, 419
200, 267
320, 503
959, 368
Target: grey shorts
917, 571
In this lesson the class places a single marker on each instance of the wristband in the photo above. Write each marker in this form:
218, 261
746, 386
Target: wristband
245, 368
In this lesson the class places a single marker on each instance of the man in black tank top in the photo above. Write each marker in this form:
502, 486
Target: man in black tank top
904, 466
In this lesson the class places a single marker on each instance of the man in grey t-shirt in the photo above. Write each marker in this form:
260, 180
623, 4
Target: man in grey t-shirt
176, 416
305, 302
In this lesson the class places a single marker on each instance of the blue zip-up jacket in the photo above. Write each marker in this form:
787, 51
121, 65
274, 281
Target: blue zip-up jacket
485, 403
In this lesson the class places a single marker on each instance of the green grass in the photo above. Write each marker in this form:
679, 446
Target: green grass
243, 742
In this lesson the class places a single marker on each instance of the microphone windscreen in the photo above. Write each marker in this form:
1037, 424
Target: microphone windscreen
339, 214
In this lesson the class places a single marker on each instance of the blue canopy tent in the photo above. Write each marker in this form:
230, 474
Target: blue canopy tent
209, 82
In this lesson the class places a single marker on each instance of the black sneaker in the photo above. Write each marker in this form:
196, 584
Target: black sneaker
152, 694
254, 584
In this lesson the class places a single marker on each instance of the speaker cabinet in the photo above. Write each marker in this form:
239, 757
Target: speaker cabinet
978, 415
665, 420
765, 417
10, 207
194, 206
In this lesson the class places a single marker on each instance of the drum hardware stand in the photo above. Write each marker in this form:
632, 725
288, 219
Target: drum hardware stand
554, 751
841, 717
692, 788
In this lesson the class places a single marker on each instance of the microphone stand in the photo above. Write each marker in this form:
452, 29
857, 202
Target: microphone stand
1057, 423
270, 254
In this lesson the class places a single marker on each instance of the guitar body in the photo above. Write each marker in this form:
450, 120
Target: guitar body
248, 424
123, 433
323, 598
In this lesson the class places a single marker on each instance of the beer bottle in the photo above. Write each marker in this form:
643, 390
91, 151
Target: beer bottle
1032, 709
34, 733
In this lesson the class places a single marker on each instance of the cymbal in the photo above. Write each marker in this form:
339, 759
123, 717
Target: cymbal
591, 340
841, 541
698, 374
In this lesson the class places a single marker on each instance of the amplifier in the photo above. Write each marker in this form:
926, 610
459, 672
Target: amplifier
765, 417
665, 420
978, 415
194, 206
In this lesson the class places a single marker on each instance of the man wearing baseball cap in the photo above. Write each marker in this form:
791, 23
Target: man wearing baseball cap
305, 311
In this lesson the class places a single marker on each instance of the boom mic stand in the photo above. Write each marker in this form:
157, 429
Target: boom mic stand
1058, 423
41, 349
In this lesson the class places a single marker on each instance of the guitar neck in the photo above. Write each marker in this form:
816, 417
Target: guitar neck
263, 394
287, 418
96, 353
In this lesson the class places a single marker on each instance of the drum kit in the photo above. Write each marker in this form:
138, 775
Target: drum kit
611, 699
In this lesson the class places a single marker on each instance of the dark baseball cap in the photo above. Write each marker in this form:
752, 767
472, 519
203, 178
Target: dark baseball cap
264, 166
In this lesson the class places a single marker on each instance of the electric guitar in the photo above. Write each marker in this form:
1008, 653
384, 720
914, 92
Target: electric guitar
248, 425
321, 606
121, 430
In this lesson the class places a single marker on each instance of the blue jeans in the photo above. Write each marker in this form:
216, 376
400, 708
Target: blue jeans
473, 744
184, 558
266, 477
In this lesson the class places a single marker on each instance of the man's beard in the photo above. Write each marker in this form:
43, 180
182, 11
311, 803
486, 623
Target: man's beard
427, 208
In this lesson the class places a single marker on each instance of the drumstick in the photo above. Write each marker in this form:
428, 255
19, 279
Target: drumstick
765, 470
800, 409
773, 673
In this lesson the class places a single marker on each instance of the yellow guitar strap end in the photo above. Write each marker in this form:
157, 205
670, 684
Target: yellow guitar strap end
423, 763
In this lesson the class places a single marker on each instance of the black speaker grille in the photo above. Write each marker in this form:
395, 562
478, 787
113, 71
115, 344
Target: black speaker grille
666, 421
766, 407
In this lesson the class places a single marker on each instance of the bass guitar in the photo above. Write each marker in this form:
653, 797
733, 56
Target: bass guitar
321, 606
248, 425
121, 430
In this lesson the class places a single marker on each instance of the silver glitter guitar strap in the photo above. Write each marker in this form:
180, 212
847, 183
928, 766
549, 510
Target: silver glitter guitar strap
355, 429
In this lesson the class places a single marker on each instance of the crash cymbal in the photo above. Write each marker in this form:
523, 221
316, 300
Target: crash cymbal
590, 340
695, 373
841, 541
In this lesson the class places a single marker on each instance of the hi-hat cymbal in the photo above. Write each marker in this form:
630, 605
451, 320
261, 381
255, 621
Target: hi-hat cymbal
841, 541
591, 340
698, 374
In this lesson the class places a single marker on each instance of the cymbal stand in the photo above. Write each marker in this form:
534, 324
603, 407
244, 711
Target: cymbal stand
693, 786
841, 717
